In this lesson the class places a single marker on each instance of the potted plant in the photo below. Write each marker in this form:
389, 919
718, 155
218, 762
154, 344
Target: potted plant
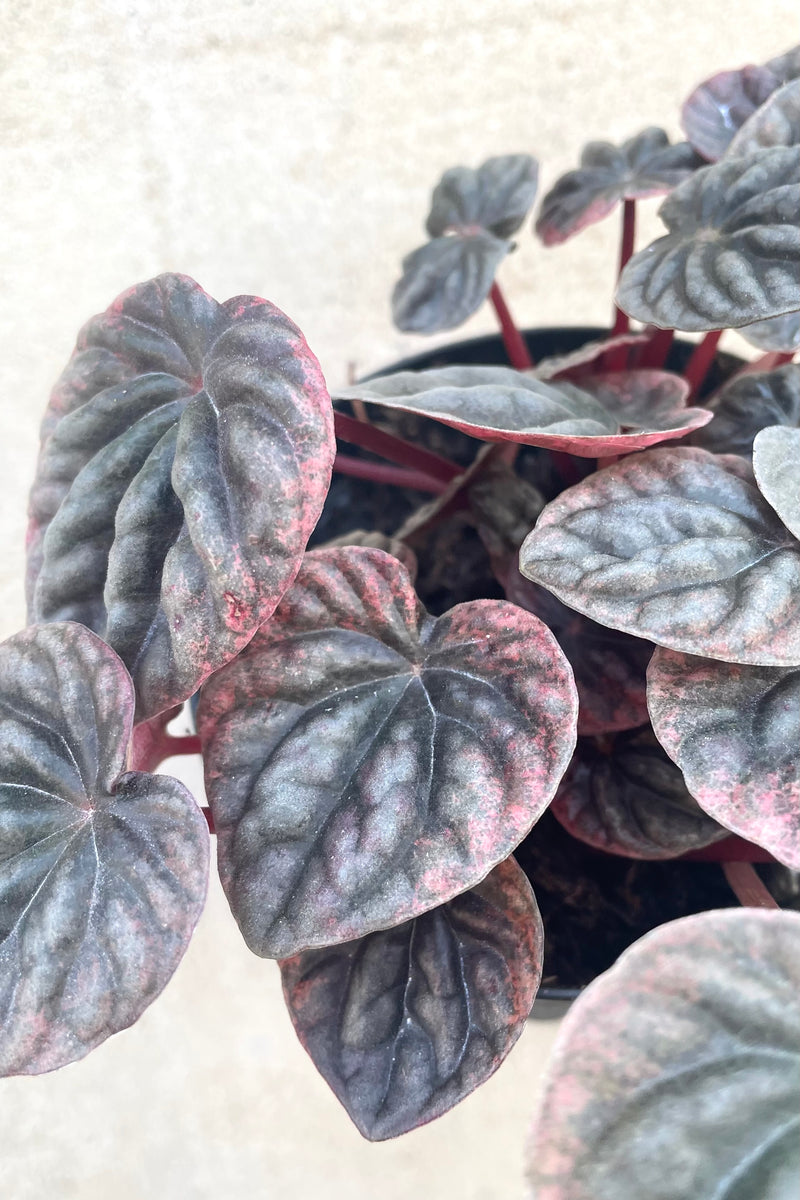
594, 546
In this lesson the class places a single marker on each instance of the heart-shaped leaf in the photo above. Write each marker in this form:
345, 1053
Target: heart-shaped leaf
187, 455
776, 463
103, 872
778, 333
628, 797
446, 280
775, 123
610, 667
732, 254
405, 1022
496, 197
676, 1075
608, 414
747, 404
733, 731
645, 165
719, 106
678, 546
365, 762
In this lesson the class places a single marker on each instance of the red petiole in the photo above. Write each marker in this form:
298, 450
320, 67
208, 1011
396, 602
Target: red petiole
516, 349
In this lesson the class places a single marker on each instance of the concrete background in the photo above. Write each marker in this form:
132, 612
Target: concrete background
287, 150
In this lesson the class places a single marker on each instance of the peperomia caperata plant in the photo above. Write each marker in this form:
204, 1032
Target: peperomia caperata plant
610, 548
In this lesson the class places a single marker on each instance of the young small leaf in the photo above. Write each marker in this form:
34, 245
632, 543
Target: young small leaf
103, 872
496, 197
645, 165
405, 1022
678, 546
446, 280
631, 799
735, 733
365, 762
186, 457
676, 1075
608, 414
732, 253
776, 463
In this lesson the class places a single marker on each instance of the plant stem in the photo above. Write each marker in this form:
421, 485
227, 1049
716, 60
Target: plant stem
209, 819
656, 352
517, 351
749, 889
396, 449
361, 468
700, 363
621, 323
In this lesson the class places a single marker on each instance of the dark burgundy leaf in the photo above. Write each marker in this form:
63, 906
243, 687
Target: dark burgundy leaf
186, 457
735, 733
103, 871
678, 546
676, 1075
365, 762
776, 463
778, 333
775, 123
446, 280
747, 404
624, 795
496, 197
645, 165
608, 414
719, 106
732, 253
405, 1022
609, 667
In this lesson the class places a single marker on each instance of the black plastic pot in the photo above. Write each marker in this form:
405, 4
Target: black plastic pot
637, 896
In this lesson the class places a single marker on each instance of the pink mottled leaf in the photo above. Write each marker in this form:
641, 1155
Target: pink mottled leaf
366, 762
103, 871
731, 256
676, 1075
405, 1022
581, 361
677, 546
625, 796
608, 414
185, 459
735, 733
776, 463
644, 165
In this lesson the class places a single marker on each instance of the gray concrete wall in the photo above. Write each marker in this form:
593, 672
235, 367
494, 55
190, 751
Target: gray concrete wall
286, 150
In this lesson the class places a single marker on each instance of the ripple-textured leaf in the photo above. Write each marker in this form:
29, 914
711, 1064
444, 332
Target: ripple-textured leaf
496, 196
676, 1075
405, 1022
446, 280
629, 798
747, 404
732, 253
775, 123
735, 733
103, 872
719, 106
186, 456
776, 463
677, 546
644, 165
365, 762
